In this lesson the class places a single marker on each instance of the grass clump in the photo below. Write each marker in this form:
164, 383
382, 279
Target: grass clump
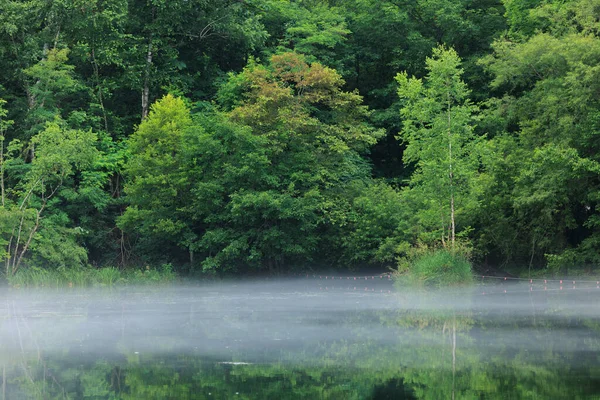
435, 268
90, 277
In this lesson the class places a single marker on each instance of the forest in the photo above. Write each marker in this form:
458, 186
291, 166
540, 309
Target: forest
273, 136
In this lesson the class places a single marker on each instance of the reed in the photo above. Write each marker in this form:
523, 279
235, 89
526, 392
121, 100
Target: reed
35, 277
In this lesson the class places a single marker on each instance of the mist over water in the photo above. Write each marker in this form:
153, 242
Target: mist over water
368, 331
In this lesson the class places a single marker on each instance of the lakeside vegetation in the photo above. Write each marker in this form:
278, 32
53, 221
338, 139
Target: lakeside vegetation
435, 268
45, 278
269, 136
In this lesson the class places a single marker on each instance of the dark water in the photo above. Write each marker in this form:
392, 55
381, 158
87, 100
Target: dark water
301, 339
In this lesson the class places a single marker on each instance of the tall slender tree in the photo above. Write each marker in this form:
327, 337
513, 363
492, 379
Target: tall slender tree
438, 133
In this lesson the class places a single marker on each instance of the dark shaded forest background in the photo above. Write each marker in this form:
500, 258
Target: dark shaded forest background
268, 135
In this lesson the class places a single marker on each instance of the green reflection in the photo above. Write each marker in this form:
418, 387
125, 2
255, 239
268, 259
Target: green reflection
546, 352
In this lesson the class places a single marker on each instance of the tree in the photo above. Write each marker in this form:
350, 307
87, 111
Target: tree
60, 153
4, 125
315, 132
50, 81
315, 29
438, 133
162, 31
543, 204
234, 190
158, 175
94, 30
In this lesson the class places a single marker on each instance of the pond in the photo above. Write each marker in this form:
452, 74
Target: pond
304, 338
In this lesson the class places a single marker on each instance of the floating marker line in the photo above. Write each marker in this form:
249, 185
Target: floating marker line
382, 277
538, 280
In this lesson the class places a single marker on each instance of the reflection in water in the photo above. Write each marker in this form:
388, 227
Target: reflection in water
300, 339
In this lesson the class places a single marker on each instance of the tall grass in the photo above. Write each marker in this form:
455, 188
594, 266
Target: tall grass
436, 268
90, 277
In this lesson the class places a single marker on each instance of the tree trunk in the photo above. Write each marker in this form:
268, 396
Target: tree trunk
451, 176
532, 254
17, 260
2, 165
99, 88
146, 89
453, 231
122, 249
443, 226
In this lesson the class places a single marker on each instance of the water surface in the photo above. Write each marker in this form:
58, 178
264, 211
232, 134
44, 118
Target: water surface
304, 338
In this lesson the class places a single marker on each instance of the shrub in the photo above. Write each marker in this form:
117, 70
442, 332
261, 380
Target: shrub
439, 267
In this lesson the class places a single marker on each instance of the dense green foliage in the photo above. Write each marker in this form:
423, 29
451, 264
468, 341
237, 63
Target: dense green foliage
287, 135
